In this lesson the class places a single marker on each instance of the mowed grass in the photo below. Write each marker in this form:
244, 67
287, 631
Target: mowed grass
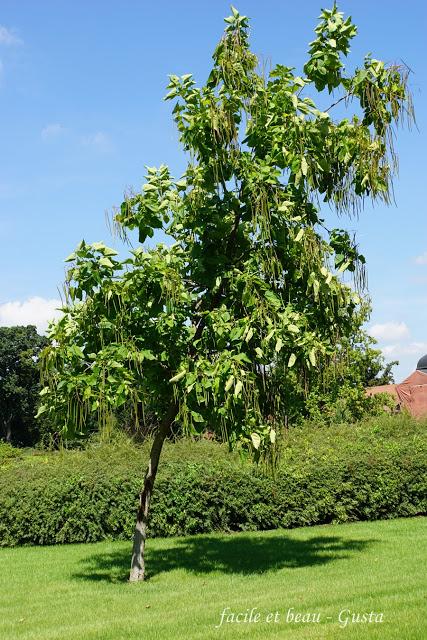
79, 592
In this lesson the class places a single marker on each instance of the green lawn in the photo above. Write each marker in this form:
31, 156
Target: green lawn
79, 592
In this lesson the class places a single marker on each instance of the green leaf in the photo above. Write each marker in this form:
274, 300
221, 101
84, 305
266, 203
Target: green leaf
316, 286
229, 383
146, 354
270, 335
256, 440
242, 357
279, 345
292, 360
344, 266
238, 388
249, 335
109, 252
75, 350
312, 357
106, 262
42, 409
197, 417
178, 376
304, 167
273, 299
143, 233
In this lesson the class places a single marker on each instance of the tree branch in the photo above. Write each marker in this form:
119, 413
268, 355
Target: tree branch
334, 104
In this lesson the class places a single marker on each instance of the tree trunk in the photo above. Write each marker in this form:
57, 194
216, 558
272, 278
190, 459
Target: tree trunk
137, 571
8, 430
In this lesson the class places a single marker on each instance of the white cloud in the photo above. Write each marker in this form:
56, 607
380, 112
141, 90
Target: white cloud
422, 259
52, 131
36, 310
409, 349
389, 331
98, 140
8, 37
398, 344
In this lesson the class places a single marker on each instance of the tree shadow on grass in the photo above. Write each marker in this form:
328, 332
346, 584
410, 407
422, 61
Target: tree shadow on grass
239, 554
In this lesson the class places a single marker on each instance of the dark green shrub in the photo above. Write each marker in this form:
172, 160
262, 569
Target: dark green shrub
369, 471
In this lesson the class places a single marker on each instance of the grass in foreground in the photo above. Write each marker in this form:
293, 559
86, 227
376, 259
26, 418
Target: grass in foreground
79, 592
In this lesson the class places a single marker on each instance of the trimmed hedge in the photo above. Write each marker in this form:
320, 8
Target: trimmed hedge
370, 471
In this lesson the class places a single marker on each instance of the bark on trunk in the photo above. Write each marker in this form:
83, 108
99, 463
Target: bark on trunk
8, 430
137, 571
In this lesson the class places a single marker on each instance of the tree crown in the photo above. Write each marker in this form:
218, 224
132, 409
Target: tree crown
251, 283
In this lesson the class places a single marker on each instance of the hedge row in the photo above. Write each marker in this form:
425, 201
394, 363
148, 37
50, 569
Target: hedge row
326, 475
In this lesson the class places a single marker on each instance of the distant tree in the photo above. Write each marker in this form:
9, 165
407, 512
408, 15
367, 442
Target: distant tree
251, 282
20, 349
357, 360
339, 394
378, 372
335, 389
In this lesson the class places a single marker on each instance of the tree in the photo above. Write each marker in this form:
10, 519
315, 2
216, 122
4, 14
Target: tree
20, 349
193, 332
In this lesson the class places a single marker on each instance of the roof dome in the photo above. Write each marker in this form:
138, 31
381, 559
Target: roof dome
422, 364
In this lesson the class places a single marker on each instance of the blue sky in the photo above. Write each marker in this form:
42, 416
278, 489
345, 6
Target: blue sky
81, 88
